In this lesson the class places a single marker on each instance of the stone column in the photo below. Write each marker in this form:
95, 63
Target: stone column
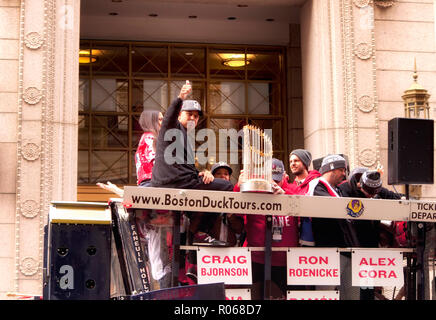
9, 53
339, 80
46, 134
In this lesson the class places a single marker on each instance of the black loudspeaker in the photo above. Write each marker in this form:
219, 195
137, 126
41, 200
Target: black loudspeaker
410, 151
78, 255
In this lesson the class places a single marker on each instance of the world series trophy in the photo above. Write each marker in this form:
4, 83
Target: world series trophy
257, 161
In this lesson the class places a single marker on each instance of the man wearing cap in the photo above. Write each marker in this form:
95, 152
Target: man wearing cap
175, 169
220, 170
365, 183
226, 227
284, 234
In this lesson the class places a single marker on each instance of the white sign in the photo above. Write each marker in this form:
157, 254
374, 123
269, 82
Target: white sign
372, 268
228, 265
238, 294
423, 211
313, 266
312, 295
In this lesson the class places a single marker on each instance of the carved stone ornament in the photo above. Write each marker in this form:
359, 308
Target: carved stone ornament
367, 157
29, 209
29, 266
365, 104
363, 51
33, 40
361, 3
384, 3
30, 151
32, 95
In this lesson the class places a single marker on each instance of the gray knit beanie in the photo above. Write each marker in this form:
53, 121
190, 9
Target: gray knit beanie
331, 162
304, 156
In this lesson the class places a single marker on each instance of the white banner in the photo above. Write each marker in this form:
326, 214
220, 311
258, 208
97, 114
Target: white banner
423, 211
312, 295
228, 265
276, 205
372, 268
313, 266
238, 294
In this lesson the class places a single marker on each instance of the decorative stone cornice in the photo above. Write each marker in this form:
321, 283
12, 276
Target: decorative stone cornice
363, 50
31, 151
30, 208
368, 157
360, 90
29, 266
365, 103
384, 3
361, 3
32, 95
33, 40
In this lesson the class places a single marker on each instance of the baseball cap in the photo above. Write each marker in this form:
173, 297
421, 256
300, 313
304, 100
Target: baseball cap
191, 105
221, 164
278, 169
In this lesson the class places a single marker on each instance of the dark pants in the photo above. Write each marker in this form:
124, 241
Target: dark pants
145, 183
278, 278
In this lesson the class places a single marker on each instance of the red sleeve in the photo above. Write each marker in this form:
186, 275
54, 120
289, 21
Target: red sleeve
144, 157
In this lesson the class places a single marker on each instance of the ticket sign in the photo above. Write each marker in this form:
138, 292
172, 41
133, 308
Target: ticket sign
377, 268
312, 295
423, 211
228, 265
238, 294
313, 266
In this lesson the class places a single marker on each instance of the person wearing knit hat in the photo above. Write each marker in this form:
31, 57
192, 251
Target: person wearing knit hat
304, 156
334, 233
332, 162
330, 232
371, 183
299, 162
365, 183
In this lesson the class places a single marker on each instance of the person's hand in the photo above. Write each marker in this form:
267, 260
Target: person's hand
277, 189
185, 91
242, 178
207, 176
112, 188
380, 169
285, 177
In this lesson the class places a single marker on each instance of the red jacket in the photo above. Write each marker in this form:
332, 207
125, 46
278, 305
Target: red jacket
304, 224
303, 188
144, 157
287, 235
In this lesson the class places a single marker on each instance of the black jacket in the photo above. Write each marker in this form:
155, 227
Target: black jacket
329, 232
183, 170
368, 231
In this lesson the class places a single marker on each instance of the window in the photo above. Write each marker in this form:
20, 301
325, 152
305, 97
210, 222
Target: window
236, 85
